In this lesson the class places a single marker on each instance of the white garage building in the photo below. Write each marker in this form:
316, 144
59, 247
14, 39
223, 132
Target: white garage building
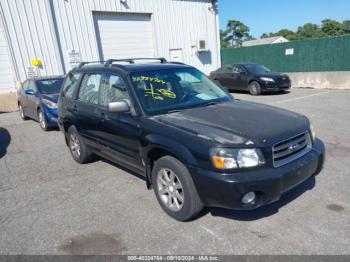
61, 33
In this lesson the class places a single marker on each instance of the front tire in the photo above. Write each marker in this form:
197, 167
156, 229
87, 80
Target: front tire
78, 149
42, 120
175, 190
254, 88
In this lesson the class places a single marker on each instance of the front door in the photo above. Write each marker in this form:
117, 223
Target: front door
118, 133
32, 100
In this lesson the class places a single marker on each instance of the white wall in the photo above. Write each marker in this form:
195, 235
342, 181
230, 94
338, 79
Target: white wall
177, 24
31, 33
7, 81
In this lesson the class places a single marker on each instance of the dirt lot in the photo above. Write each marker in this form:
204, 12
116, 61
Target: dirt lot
51, 205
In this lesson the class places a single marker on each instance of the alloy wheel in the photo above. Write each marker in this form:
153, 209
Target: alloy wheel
170, 189
21, 111
42, 120
74, 145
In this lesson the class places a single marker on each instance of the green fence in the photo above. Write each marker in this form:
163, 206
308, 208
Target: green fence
313, 55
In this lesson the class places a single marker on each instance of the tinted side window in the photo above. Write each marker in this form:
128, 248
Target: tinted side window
226, 69
25, 85
237, 70
70, 85
89, 88
32, 85
113, 89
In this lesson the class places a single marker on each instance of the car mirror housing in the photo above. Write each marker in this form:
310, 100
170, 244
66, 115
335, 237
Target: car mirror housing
119, 107
29, 92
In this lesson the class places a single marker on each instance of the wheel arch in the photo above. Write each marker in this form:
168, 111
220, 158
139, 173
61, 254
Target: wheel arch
159, 146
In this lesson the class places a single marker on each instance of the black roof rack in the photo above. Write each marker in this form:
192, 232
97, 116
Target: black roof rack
132, 60
86, 63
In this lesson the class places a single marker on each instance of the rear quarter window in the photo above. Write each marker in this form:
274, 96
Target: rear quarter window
70, 85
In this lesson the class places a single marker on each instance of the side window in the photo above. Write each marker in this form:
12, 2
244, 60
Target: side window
25, 85
31, 85
89, 88
113, 89
236, 70
70, 85
227, 69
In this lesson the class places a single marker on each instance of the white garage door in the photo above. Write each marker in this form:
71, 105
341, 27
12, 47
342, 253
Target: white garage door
6, 80
124, 36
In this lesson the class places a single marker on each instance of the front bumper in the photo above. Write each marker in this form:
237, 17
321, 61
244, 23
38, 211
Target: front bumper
269, 184
275, 86
51, 116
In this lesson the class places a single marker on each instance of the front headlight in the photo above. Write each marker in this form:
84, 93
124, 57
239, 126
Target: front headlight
267, 79
312, 131
49, 104
225, 158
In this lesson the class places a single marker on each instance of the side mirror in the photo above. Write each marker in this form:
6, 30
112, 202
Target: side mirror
119, 107
29, 92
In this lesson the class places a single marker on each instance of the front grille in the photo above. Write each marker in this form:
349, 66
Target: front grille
291, 149
282, 80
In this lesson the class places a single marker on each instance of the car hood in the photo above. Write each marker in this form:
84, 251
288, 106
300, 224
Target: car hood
273, 75
238, 122
51, 97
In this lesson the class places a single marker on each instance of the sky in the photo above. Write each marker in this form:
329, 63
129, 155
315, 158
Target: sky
264, 16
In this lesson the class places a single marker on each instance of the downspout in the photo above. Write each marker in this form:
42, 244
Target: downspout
218, 46
56, 41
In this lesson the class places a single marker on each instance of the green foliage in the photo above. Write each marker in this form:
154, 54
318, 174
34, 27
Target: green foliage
290, 35
346, 26
235, 33
328, 27
309, 30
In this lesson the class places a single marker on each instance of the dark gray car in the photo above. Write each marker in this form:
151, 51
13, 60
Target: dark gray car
254, 78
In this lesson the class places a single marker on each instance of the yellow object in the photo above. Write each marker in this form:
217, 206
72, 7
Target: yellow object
36, 62
219, 162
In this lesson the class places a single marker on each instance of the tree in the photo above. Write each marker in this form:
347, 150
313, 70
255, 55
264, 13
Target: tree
309, 30
235, 33
288, 34
346, 26
331, 28
223, 42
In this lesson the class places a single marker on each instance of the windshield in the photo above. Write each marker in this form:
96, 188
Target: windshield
175, 89
257, 69
49, 86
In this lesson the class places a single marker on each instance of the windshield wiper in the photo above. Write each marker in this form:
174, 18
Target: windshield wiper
212, 103
174, 111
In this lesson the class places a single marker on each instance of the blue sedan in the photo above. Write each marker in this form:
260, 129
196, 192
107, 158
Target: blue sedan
37, 99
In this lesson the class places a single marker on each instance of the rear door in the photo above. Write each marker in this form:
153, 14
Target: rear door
85, 108
224, 75
118, 133
238, 78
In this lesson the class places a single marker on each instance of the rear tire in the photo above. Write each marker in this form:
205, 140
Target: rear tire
254, 88
21, 113
175, 190
78, 149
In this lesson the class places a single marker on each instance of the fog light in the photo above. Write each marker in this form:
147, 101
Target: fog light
248, 198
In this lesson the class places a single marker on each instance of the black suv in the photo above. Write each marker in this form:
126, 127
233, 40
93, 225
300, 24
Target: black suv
254, 78
194, 143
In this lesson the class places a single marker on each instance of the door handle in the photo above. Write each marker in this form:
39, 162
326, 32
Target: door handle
104, 116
